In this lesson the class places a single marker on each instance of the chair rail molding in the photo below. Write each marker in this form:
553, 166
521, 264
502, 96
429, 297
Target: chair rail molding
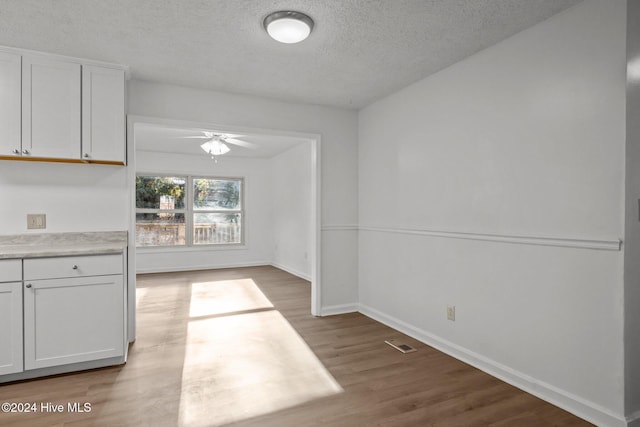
340, 227
605, 245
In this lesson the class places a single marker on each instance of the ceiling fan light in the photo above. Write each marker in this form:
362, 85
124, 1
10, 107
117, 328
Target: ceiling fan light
288, 26
215, 147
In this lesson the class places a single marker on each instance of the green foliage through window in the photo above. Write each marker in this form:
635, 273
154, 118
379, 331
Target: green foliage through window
152, 191
185, 211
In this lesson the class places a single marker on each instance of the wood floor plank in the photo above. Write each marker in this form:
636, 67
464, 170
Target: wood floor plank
239, 347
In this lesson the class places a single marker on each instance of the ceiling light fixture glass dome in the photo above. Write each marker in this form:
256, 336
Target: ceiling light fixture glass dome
288, 26
215, 148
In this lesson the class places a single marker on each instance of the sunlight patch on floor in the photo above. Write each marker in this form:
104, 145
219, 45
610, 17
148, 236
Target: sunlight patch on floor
140, 293
226, 296
244, 364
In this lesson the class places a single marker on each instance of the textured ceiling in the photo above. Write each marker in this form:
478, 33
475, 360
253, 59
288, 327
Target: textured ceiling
359, 51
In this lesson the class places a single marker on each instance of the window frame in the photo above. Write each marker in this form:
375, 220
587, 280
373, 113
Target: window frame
189, 212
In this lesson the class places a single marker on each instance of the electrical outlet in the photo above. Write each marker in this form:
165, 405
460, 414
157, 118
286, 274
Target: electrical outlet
451, 312
36, 221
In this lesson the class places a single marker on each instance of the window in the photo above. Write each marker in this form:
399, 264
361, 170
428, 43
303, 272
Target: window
217, 213
188, 211
160, 211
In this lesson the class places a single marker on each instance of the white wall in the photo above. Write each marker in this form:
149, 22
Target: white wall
525, 138
339, 131
257, 228
632, 225
75, 197
291, 190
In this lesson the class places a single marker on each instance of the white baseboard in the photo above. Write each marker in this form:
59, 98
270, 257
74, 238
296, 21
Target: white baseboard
332, 310
296, 273
633, 420
170, 269
576, 405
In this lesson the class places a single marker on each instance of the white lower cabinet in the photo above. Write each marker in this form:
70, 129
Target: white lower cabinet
10, 327
72, 320
57, 313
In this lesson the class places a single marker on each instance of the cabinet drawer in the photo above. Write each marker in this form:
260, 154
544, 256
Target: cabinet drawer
72, 266
10, 270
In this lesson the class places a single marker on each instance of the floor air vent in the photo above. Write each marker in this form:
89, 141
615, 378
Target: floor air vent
400, 346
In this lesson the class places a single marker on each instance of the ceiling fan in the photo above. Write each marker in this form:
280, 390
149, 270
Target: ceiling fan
216, 143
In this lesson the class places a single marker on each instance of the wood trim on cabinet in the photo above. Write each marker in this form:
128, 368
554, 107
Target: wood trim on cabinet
54, 160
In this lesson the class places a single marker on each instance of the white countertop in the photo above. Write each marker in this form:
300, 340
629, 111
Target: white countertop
62, 244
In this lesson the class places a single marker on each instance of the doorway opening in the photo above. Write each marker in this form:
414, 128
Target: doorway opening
280, 214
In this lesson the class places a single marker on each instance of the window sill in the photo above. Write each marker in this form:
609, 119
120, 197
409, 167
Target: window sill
183, 249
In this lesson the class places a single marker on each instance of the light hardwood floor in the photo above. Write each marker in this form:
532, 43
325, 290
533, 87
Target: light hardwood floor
238, 346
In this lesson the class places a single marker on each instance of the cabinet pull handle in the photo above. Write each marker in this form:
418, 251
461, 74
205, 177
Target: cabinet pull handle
75, 267
29, 286
25, 151
15, 151
86, 155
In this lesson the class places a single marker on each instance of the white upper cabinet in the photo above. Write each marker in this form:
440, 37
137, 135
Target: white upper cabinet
55, 108
103, 125
10, 75
50, 108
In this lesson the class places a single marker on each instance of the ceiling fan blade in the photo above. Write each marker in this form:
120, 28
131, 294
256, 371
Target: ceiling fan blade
192, 137
240, 143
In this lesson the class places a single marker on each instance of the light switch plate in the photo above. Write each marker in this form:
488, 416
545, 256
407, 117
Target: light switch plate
451, 312
36, 221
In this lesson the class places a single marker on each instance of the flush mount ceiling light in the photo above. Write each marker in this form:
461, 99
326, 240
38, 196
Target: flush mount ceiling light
288, 26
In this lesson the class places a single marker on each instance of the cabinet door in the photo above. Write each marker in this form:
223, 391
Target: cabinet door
10, 328
10, 90
50, 108
103, 123
73, 320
